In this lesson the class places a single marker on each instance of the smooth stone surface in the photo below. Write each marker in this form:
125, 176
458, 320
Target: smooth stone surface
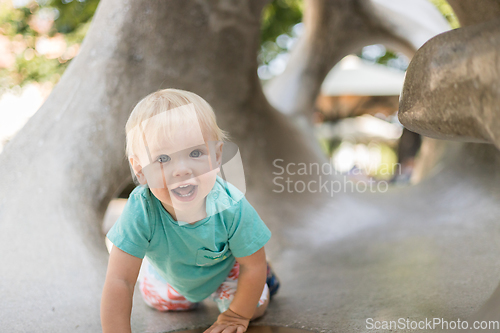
452, 87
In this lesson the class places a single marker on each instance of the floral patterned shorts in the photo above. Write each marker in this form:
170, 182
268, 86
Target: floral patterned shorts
159, 294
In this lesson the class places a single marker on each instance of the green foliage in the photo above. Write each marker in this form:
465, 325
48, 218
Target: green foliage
39, 69
386, 57
329, 145
73, 13
447, 11
14, 22
278, 17
61, 22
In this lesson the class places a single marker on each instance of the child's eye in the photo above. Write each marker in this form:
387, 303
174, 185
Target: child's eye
196, 153
163, 158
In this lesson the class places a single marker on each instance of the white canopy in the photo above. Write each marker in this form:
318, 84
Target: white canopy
355, 76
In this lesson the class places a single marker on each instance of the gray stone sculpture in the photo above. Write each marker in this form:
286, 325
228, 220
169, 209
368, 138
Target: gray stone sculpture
452, 92
420, 252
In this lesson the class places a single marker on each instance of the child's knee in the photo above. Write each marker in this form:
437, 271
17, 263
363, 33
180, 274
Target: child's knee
261, 309
164, 298
164, 305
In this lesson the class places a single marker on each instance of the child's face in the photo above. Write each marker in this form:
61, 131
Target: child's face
181, 172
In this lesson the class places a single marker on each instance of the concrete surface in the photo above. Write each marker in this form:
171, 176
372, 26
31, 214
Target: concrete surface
426, 251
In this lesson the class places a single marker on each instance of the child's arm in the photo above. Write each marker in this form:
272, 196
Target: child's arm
251, 281
116, 301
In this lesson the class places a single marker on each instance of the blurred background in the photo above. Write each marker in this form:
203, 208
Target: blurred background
355, 114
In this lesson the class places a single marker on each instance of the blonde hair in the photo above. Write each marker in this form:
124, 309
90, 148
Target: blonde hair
150, 118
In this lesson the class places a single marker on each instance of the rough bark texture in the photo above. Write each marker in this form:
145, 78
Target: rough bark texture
341, 257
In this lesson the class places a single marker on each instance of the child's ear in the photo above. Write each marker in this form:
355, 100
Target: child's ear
218, 153
137, 168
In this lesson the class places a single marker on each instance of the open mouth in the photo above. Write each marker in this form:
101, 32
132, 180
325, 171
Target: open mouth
185, 192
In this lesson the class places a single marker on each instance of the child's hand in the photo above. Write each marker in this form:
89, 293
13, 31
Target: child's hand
229, 322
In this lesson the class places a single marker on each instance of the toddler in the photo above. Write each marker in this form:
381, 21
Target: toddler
197, 234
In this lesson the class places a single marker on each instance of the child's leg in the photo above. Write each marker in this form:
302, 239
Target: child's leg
224, 295
158, 294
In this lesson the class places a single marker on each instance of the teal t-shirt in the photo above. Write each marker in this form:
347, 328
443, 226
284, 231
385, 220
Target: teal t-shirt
194, 258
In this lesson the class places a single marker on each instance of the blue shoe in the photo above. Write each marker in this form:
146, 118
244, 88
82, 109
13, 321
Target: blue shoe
272, 281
